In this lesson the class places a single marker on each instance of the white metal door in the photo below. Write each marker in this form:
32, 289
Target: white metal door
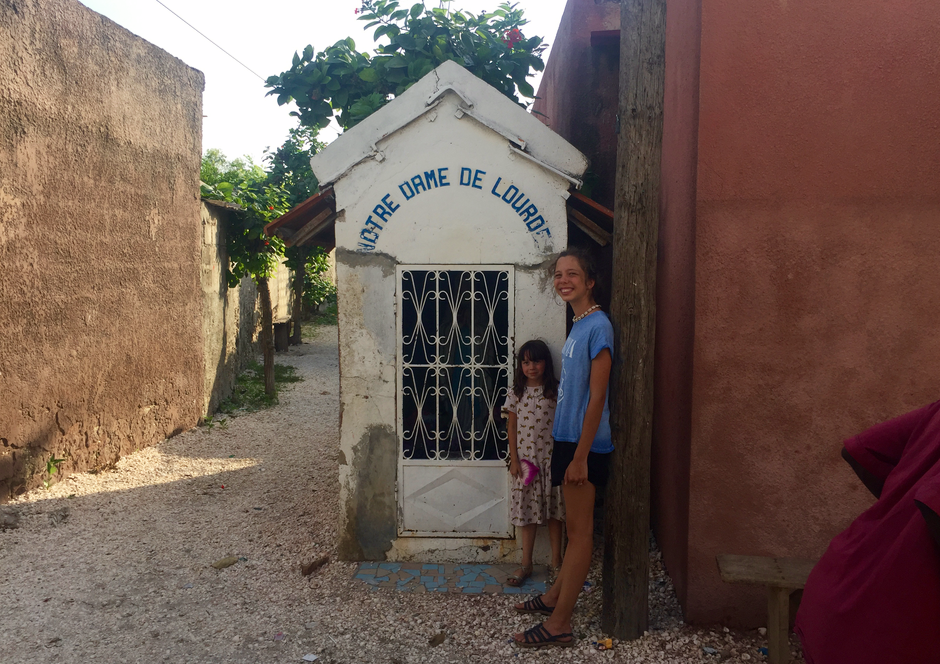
454, 370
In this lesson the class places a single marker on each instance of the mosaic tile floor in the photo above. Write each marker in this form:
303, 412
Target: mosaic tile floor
449, 578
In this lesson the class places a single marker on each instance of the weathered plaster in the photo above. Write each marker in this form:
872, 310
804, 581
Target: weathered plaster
466, 217
231, 316
100, 141
370, 519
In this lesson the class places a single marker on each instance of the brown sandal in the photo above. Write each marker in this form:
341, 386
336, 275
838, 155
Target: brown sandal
516, 580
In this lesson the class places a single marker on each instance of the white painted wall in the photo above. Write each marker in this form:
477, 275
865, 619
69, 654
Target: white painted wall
466, 221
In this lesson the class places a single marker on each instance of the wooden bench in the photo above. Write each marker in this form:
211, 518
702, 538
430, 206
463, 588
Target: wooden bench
782, 576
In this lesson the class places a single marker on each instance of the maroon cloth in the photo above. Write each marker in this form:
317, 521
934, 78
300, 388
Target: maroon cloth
874, 597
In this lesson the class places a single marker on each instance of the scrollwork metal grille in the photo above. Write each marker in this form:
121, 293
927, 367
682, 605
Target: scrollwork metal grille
456, 360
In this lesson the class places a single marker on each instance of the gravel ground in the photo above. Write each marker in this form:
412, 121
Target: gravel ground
117, 567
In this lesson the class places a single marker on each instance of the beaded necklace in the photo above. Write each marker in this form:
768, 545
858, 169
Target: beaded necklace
575, 319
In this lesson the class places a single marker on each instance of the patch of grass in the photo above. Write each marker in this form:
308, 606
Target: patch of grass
327, 316
318, 319
249, 396
210, 421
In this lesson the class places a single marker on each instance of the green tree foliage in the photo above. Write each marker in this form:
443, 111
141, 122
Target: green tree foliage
317, 287
217, 168
350, 85
289, 164
289, 168
251, 253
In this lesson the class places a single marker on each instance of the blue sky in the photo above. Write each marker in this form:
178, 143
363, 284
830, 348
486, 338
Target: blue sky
240, 120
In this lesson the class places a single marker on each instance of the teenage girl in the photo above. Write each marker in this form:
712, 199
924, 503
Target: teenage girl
530, 411
582, 444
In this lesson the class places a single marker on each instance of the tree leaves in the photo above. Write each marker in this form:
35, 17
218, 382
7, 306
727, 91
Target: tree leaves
339, 80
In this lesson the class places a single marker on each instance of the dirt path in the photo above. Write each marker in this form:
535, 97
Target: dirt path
116, 567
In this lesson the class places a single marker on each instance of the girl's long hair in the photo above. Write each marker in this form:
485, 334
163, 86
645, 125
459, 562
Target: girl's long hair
536, 350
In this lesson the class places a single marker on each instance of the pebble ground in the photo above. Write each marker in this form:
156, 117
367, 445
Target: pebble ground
117, 566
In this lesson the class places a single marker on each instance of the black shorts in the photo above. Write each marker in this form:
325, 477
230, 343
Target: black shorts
598, 464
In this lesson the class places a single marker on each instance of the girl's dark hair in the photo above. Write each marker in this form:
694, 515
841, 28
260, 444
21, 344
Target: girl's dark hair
589, 265
535, 351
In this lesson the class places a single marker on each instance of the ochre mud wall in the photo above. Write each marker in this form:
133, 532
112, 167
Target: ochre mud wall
100, 307
231, 316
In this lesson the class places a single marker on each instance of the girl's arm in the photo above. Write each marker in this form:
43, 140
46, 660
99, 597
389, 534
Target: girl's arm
600, 375
514, 468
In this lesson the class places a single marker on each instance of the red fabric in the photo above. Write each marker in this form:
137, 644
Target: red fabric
874, 596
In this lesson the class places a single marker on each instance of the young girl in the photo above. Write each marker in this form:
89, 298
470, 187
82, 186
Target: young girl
582, 444
530, 410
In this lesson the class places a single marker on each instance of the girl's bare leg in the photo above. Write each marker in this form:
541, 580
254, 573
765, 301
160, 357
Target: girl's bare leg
554, 536
528, 544
563, 595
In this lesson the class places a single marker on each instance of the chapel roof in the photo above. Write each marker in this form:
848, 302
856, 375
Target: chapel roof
478, 100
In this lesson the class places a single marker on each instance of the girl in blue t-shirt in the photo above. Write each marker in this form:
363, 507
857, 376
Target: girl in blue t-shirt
582, 444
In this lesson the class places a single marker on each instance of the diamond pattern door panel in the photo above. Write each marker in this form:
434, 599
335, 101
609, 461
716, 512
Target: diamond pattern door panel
467, 500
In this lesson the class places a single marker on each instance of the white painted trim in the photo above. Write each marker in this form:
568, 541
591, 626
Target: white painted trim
576, 182
461, 112
488, 105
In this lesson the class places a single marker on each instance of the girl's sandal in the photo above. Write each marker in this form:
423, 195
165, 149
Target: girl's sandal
538, 636
535, 605
516, 580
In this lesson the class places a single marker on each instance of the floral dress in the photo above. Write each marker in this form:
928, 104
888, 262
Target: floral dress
539, 501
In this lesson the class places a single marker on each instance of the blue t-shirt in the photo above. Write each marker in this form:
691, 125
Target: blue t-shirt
588, 337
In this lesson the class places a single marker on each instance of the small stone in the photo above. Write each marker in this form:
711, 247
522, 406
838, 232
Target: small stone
311, 567
59, 516
225, 562
709, 651
762, 631
437, 639
9, 520
310, 658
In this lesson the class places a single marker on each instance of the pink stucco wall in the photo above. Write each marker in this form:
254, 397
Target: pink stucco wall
578, 91
797, 301
675, 296
816, 298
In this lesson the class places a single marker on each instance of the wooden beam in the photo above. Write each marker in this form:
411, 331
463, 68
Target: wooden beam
591, 203
302, 210
594, 231
633, 313
311, 228
765, 571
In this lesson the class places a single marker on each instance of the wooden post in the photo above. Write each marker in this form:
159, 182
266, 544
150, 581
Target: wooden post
296, 336
267, 335
778, 625
633, 313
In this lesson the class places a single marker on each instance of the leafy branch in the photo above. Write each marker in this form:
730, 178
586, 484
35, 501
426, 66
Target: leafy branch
344, 83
